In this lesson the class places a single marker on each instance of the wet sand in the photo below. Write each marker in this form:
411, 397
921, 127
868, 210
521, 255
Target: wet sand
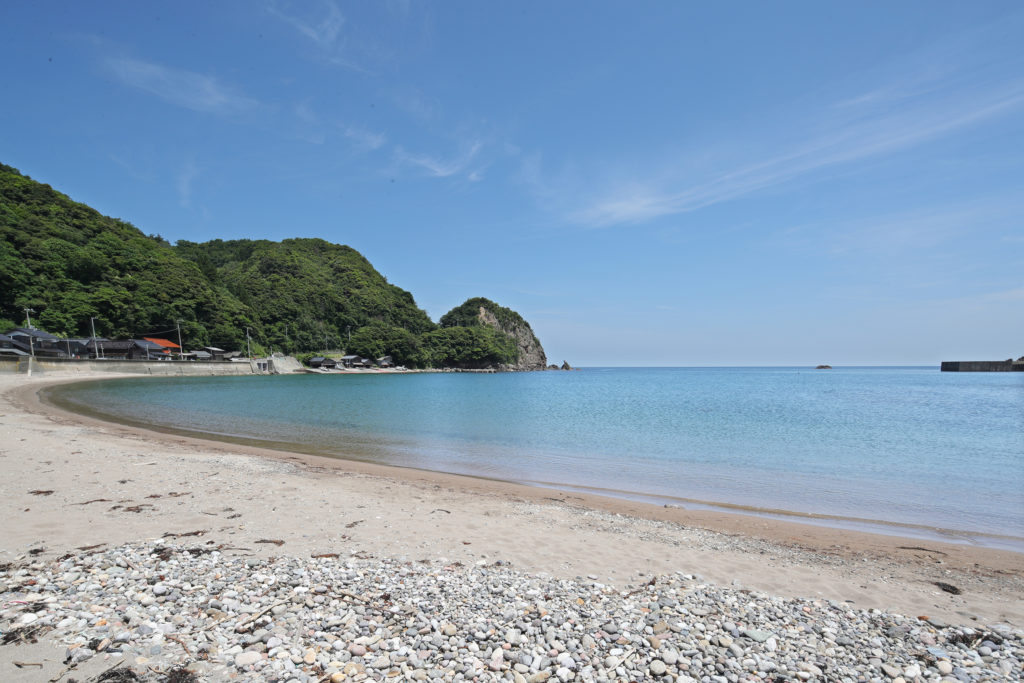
113, 483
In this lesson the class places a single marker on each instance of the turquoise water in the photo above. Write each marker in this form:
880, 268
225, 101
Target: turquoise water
907, 446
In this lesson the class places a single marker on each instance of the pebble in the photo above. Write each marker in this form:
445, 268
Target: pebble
350, 619
245, 659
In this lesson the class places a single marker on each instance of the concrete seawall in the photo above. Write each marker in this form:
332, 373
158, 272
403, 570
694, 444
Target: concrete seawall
982, 366
65, 366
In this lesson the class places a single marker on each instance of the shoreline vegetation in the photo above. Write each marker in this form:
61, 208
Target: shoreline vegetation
131, 526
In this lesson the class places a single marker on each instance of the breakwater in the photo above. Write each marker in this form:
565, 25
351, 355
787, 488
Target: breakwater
982, 366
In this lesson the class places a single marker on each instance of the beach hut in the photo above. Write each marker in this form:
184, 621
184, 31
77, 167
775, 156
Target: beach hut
385, 362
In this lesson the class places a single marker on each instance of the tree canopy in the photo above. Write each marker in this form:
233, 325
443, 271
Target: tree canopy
71, 264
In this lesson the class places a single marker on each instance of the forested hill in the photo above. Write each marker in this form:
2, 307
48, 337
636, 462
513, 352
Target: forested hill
70, 263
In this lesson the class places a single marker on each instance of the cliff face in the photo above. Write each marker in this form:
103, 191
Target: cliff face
531, 353
481, 312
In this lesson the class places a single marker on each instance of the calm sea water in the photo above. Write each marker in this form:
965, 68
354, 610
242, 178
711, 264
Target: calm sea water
910, 446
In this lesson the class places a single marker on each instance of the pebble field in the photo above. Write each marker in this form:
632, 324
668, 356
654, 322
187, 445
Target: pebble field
161, 611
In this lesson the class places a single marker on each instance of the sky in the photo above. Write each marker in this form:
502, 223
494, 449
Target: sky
652, 183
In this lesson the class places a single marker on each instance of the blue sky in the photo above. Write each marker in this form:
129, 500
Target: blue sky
647, 183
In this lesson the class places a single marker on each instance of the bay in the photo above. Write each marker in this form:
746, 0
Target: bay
898, 450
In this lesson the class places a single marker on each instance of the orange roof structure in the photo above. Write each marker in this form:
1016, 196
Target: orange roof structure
167, 344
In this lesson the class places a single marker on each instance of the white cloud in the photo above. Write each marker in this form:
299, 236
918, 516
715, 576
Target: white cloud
323, 24
926, 95
178, 86
438, 167
185, 181
364, 139
324, 30
876, 135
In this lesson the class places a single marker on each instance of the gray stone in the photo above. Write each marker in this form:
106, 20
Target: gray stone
245, 659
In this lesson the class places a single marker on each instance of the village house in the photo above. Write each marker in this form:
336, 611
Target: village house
126, 349
8, 348
37, 342
167, 345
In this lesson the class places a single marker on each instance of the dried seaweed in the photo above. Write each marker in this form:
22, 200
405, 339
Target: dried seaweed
26, 634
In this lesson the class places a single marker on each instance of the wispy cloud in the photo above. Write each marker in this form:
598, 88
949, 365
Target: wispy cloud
364, 139
323, 24
933, 93
439, 167
323, 30
186, 178
187, 89
876, 135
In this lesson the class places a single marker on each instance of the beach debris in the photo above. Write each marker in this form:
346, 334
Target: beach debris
36, 551
22, 665
351, 525
198, 532
447, 512
275, 541
30, 633
131, 508
94, 500
181, 675
41, 492
917, 547
116, 674
948, 587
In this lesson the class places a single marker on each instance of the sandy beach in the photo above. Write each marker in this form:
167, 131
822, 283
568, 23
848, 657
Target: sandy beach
71, 482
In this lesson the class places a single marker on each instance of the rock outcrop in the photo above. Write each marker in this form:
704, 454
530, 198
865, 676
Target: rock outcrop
484, 312
531, 353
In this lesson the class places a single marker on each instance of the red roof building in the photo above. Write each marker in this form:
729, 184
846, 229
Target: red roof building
167, 345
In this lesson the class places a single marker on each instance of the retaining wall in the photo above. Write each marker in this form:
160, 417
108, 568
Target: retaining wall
146, 367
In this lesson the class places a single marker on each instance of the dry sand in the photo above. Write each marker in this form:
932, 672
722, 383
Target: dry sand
112, 484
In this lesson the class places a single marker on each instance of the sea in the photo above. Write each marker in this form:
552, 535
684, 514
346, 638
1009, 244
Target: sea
909, 451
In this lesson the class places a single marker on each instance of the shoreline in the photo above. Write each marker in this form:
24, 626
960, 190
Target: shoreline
598, 497
820, 540
82, 497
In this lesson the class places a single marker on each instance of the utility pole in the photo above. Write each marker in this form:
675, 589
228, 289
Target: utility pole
28, 322
97, 350
248, 343
181, 349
